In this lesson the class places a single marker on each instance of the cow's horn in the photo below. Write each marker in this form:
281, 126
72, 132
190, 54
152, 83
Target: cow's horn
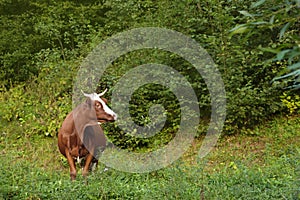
85, 94
102, 93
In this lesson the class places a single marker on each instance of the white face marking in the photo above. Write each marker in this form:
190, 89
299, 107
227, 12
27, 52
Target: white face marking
95, 97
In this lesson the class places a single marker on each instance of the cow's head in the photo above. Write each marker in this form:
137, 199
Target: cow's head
103, 112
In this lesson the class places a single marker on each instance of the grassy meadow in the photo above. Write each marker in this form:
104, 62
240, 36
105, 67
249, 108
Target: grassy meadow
263, 165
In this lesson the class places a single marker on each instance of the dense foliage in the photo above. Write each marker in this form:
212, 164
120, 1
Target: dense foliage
285, 19
43, 43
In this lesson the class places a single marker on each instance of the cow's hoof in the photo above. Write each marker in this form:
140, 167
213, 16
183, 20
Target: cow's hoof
73, 177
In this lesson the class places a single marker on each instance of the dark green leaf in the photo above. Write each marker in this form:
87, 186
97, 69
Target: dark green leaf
282, 54
238, 29
271, 50
294, 66
246, 13
258, 3
272, 19
259, 23
283, 30
294, 73
293, 54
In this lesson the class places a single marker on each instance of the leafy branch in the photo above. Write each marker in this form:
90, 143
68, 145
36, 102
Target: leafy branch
284, 18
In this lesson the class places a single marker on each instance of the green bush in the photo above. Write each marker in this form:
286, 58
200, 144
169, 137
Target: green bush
235, 37
245, 71
41, 105
281, 18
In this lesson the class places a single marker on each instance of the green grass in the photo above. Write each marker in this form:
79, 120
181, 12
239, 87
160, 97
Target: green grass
264, 165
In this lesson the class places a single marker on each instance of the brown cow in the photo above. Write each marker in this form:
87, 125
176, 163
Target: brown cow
81, 135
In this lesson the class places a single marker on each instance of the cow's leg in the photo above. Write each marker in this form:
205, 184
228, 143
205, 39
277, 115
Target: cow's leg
87, 163
93, 164
71, 164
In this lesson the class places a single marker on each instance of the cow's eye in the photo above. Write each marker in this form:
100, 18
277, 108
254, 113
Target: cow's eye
98, 105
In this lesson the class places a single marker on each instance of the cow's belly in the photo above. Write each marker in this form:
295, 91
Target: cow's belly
79, 152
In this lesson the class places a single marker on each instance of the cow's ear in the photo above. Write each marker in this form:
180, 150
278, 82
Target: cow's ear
88, 102
105, 100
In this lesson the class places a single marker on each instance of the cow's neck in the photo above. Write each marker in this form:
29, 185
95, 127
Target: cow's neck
82, 118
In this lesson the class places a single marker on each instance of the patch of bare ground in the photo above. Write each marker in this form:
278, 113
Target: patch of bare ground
272, 139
